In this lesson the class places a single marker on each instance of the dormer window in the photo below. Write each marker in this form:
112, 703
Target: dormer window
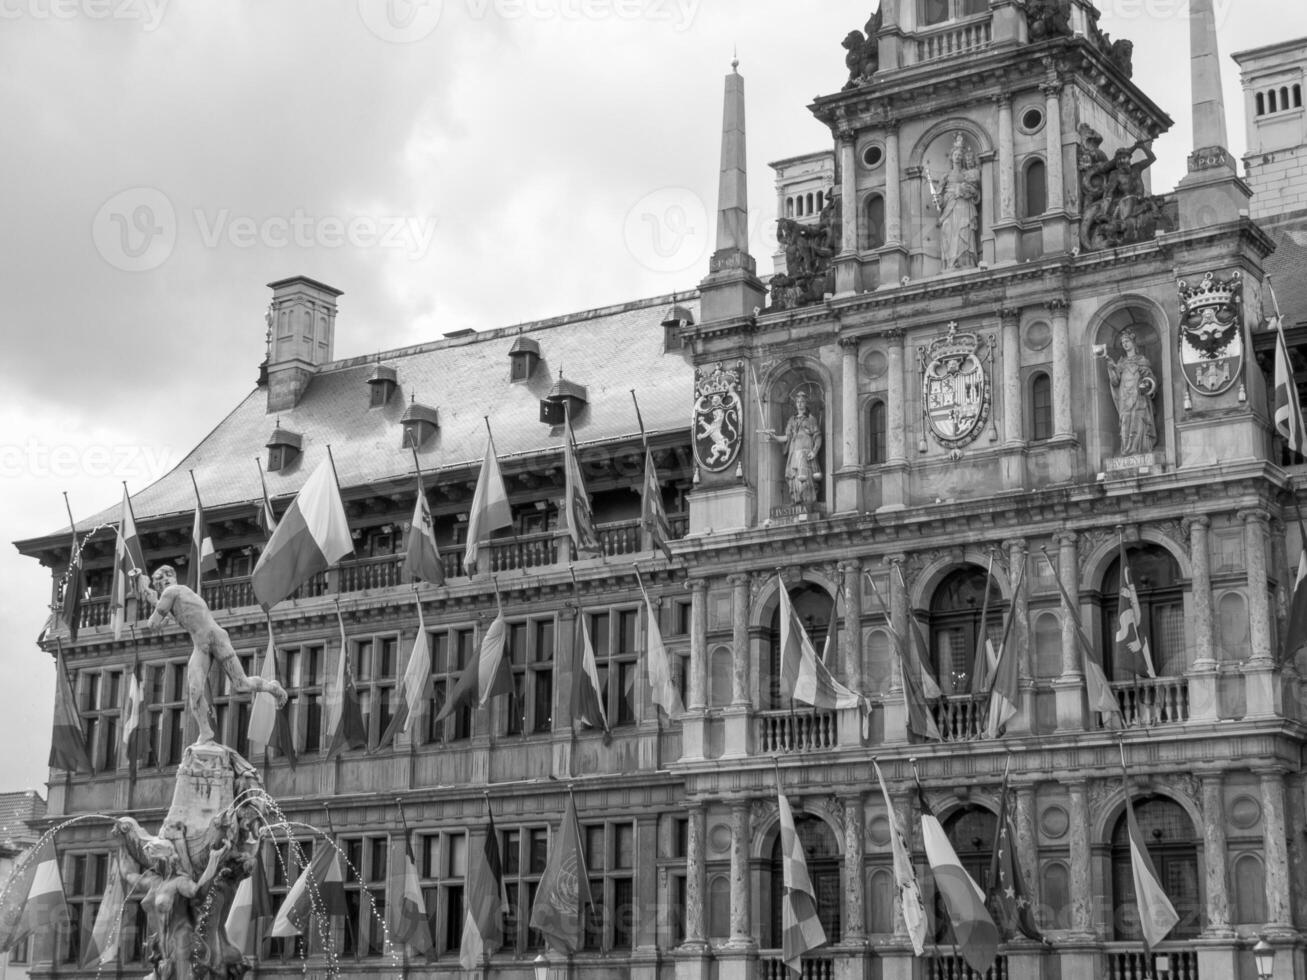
938, 11
420, 423
524, 355
565, 398
284, 447
674, 320
382, 382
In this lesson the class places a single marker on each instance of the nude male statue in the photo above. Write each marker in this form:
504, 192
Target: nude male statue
192, 614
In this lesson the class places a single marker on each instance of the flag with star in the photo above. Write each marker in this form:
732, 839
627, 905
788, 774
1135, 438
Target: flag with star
1009, 903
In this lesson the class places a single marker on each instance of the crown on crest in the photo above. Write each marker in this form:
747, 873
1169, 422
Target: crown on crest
953, 344
1211, 292
718, 380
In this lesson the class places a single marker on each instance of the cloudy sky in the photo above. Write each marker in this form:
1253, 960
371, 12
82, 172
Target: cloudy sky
446, 163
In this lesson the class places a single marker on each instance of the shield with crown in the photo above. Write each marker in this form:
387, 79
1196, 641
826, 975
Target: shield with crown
1211, 333
955, 393
717, 417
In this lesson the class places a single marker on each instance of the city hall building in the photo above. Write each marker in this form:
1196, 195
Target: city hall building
992, 359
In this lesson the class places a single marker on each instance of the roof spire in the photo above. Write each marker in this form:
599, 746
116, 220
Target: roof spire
735, 60
1205, 77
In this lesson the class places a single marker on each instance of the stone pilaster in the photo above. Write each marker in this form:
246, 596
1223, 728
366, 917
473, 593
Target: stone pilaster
1082, 880
1214, 856
741, 890
698, 644
1058, 310
1261, 680
736, 717
855, 899
692, 957
1069, 688
1203, 676
848, 479
893, 187
847, 269
1275, 851
1011, 321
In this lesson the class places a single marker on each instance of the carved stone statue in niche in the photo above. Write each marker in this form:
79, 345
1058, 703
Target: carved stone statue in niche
802, 442
958, 200
1048, 18
809, 258
863, 58
1116, 208
1133, 386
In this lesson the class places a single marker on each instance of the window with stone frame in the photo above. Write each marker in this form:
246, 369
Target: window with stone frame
877, 433
529, 646
164, 718
1172, 844
283, 862
1041, 406
367, 860
610, 859
955, 624
613, 634
85, 875
1157, 581
673, 846
524, 852
101, 710
452, 649
442, 866
375, 665
305, 667
231, 711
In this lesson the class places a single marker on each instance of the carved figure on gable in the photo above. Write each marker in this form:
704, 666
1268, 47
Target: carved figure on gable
1116, 206
802, 440
1092, 164
863, 58
810, 251
1048, 18
1133, 386
1122, 54
958, 199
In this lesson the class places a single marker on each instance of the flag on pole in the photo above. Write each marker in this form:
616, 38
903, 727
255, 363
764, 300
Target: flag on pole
1009, 901
203, 556
410, 923
413, 688
421, 556
920, 720
911, 903
33, 899
102, 948
652, 514
490, 510
1288, 410
803, 677
587, 695
269, 725
251, 904
1157, 916
657, 662
1101, 696
67, 740
985, 660
1005, 683
801, 930
135, 740
266, 517
1295, 633
312, 536
974, 932
580, 518
483, 929
128, 567
563, 898
1131, 644
345, 727
70, 603
487, 676
319, 890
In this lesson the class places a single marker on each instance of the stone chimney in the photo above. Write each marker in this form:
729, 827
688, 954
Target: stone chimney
302, 334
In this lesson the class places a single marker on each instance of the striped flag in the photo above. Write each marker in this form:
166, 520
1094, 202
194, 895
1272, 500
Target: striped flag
102, 948
345, 726
587, 695
580, 518
203, 556
1295, 632
1008, 901
312, 536
33, 899
1005, 689
1288, 410
1131, 644
652, 514
269, 725
67, 740
319, 890
251, 904
487, 676
563, 898
801, 930
410, 924
136, 743
412, 688
1101, 696
421, 556
974, 931
985, 660
483, 929
1157, 916
911, 904
490, 509
920, 720
266, 517
661, 688
128, 567
803, 677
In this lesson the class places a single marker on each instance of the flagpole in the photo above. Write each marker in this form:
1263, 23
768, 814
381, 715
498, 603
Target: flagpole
403, 822
199, 572
75, 555
140, 542
644, 439
981, 657
658, 717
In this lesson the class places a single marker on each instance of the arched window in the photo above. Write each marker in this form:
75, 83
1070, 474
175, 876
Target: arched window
1055, 897
821, 852
719, 692
1261, 104
1035, 189
1048, 645
1284, 97
955, 625
1297, 96
1156, 578
881, 897
934, 12
877, 661
877, 433
1271, 101
1249, 891
1169, 836
813, 606
808, 205
789, 204
873, 224
971, 832
1232, 627
719, 907
821, 200
1041, 407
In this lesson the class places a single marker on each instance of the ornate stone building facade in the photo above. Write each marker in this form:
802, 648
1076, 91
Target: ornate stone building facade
993, 360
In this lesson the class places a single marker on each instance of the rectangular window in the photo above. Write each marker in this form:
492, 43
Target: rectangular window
101, 711
232, 713
374, 675
530, 649
85, 879
305, 667
524, 852
442, 867
1041, 407
287, 860
610, 858
451, 651
613, 635
165, 695
365, 895
934, 12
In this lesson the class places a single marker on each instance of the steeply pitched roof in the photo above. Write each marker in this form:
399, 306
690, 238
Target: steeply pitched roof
609, 351
1287, 267
16, 810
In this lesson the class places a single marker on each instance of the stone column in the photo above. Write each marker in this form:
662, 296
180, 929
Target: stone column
741, 892
698, 644
848, 480
846, 263
1019, 559
1082, 879
1214, 856
1011, 320
1007, 164
1068, 569
739, 640
893, 186
1058, 310
855, 879
696, 918
1199, 549
647, 891
1259, 605
851, 573
1053, 145
895, 703
898, 610
564, 658
903, 804
1028, 841
896, 434
1275, 851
